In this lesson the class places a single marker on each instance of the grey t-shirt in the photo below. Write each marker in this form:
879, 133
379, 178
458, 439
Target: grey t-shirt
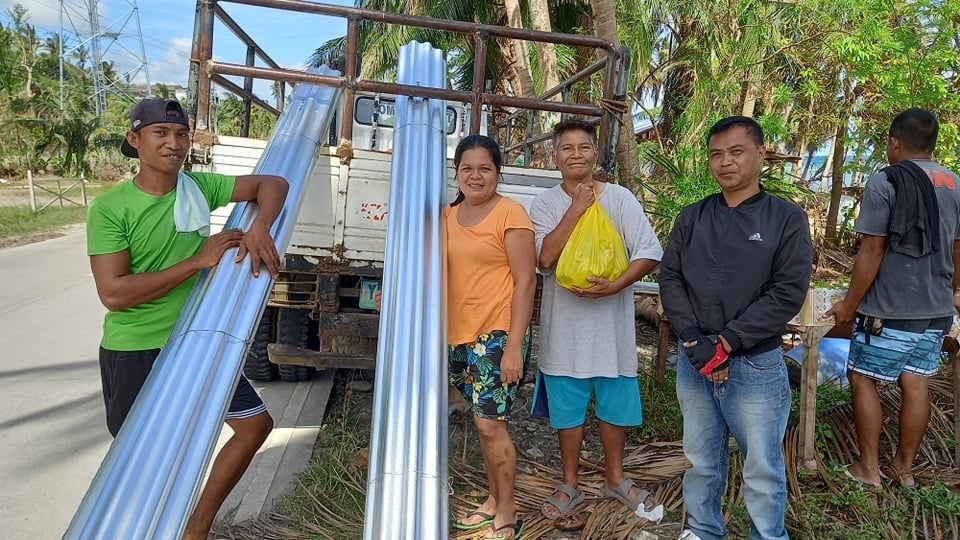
591, 337
908, 287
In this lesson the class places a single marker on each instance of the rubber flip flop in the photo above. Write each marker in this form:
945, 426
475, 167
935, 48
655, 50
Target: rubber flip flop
517, 530
487, 520
859, 482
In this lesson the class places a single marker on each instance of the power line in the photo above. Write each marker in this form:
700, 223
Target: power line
99, 38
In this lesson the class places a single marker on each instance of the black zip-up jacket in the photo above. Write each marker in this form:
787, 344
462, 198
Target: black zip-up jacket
740, 272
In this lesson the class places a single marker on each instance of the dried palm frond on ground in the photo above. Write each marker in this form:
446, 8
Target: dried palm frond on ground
328, 502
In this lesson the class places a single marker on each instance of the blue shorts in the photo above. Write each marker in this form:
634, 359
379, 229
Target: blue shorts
883, 348
617, 398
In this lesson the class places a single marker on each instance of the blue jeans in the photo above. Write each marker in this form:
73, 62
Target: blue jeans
753, 405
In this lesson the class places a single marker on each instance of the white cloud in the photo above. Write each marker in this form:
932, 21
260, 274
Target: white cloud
44, 13
174, 64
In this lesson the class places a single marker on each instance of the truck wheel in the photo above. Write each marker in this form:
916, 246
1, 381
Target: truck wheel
292, 328
258, 366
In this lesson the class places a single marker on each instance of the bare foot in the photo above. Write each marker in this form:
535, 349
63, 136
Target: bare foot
552, 511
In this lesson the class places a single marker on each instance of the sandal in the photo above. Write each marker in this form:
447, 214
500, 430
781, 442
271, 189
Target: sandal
517, 529
563, 507
487, 520
865, 485
899, 476
637, 504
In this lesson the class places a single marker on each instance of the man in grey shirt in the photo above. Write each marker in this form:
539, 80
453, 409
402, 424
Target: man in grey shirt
588, 337
902, 292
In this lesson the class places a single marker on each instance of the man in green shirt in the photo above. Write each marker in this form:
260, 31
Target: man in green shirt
147, 241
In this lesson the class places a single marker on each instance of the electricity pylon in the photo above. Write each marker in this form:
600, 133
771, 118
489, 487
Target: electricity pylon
106, 43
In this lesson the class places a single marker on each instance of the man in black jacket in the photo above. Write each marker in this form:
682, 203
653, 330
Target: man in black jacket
902, 292
735, 271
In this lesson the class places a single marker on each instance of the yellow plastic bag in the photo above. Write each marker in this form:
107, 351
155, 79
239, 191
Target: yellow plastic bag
593, 249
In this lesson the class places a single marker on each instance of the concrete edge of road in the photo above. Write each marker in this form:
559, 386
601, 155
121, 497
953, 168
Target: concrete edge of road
298, 410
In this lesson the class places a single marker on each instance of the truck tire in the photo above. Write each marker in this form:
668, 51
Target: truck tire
292, 329
258, 367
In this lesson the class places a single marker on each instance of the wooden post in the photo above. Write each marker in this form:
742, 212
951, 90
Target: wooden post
33, 194
60, 193
83, 189
662, 344
955, 356
809, 370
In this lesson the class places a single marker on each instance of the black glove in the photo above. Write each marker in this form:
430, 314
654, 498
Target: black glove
707, 354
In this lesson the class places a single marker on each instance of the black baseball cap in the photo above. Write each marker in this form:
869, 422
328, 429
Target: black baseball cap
153, 111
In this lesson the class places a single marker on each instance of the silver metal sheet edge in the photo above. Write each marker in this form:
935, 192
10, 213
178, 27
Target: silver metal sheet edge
407, 478
151, 476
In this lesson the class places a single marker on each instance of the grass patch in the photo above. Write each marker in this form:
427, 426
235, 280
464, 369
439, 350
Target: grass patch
329, 497
21, 220
662, 420
829, 395
854, 513
17, 220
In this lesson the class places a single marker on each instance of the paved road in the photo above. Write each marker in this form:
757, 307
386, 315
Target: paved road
52, 431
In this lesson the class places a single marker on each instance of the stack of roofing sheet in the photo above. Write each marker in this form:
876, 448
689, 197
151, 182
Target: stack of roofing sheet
407, 480
149, 481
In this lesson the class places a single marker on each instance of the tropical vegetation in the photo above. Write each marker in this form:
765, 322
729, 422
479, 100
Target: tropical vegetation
823, 77
49, 128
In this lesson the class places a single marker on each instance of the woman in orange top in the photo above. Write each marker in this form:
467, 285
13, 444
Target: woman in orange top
491, 273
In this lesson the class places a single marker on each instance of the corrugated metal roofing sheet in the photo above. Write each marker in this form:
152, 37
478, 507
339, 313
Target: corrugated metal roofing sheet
407, 479
151, 476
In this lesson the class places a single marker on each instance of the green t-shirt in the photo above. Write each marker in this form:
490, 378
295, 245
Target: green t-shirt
126, 218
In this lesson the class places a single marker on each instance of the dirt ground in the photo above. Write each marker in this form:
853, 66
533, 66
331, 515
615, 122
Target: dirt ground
538, 454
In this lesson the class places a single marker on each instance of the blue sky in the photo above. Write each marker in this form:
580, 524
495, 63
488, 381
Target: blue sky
167, 28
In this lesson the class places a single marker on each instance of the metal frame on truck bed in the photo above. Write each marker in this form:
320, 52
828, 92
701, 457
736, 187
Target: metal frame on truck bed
315, 318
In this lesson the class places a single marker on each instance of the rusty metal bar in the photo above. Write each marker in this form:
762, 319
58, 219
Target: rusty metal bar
619, 93
564, 86
530, 141
479, 74
229, 85
538, 138
603, 139
462, 96
248, 92
575, 78
228, 21
461, 27
198, 89
527, 135
353, 49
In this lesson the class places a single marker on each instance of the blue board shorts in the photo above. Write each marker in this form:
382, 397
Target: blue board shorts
124, 372
883, 348
617, 399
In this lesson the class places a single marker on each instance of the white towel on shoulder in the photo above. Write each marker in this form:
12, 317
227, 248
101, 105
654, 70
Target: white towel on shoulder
190, 209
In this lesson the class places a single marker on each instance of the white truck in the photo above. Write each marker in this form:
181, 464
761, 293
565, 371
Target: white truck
318, 315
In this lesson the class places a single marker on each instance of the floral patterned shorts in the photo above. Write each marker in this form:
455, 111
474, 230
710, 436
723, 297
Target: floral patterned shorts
475, 370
